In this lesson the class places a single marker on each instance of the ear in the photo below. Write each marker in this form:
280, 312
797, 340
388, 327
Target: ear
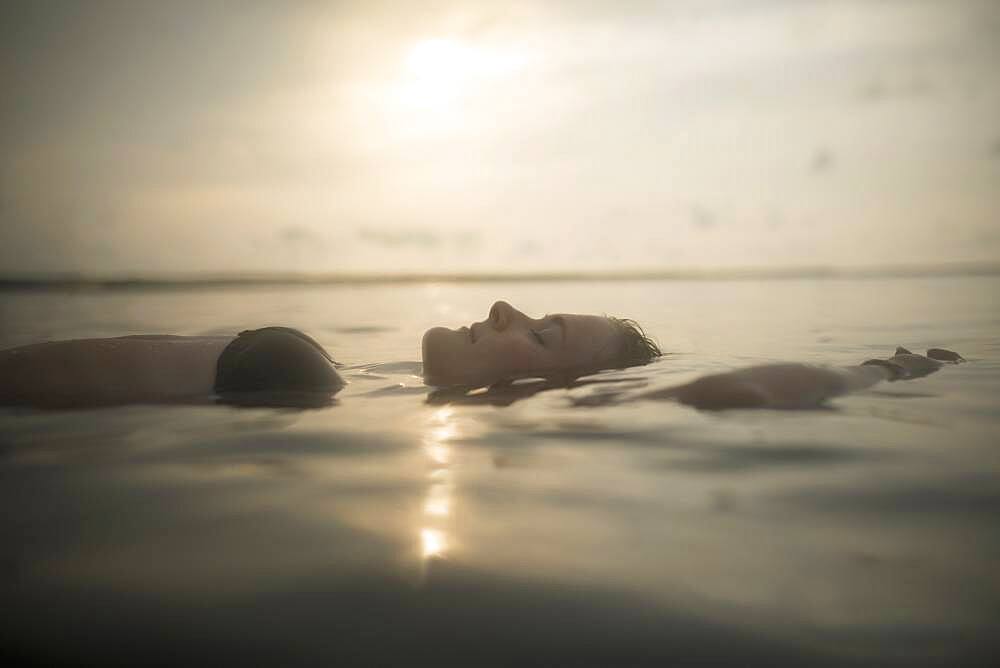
900, 350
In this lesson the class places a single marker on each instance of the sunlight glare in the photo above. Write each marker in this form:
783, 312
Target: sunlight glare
437, 505
441, 71
435, 58
438, 501
432, 543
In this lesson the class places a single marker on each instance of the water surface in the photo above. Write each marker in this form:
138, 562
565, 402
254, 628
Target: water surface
392, 529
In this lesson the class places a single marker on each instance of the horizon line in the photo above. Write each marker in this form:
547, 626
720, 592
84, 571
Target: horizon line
236, 279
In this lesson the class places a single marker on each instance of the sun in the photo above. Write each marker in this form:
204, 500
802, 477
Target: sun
435, 58
435, 72
440, 72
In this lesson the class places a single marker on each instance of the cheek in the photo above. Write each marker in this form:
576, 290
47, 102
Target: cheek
522, 360
518, 356
485, 362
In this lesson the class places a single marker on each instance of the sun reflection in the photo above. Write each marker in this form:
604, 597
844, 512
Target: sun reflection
438, 503
439, 453
432, 542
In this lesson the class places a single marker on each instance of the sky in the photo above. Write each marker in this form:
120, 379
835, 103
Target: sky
381, 137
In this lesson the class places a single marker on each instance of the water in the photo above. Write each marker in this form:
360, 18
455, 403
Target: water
392, 529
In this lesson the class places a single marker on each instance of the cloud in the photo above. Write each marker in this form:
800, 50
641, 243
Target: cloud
189, 136
396, 237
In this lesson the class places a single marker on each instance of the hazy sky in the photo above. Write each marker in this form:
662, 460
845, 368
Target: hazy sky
456, 136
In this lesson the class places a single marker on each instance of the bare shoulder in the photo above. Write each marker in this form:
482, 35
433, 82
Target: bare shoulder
80, 372
169, 338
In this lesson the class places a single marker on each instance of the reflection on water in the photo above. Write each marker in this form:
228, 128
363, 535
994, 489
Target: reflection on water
438, 505
562, 526
433, 543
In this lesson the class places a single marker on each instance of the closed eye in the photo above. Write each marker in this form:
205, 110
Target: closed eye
538, 337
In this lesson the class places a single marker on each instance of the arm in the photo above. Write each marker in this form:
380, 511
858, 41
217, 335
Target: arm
773, 386
801, 385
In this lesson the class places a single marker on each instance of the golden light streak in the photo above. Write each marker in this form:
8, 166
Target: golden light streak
432, 542
438, 504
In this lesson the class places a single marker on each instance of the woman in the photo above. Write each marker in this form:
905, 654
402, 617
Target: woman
282, 366
279, 366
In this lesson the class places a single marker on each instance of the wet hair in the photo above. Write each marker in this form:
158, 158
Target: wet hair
636, 346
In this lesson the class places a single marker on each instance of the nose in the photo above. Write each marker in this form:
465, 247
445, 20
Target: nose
502, 315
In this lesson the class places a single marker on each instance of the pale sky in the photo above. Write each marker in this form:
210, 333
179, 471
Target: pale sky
171, 137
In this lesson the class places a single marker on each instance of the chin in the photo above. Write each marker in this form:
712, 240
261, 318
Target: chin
437, 349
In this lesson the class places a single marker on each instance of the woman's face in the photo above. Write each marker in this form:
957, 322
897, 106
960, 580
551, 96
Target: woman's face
509, 344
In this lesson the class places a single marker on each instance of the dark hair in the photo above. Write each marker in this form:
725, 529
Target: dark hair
636, 346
